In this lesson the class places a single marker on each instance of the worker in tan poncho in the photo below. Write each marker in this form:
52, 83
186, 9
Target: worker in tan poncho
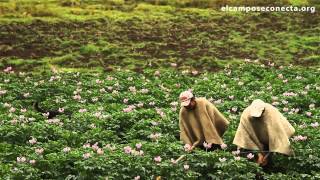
200, 121
263, 128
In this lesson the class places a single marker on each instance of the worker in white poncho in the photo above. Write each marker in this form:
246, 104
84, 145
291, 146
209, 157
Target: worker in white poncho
263, 128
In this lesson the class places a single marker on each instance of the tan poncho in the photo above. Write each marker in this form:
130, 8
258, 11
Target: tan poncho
272, 130
204, 123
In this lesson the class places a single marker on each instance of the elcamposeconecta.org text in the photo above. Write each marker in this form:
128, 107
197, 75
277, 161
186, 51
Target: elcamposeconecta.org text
269, 9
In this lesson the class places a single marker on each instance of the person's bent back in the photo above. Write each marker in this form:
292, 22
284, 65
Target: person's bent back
200, 121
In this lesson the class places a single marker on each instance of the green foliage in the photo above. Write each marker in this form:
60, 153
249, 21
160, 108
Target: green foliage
89, 49
27, 8
108, 122
144, 35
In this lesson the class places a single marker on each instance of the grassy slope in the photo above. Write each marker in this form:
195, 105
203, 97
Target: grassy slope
146, 35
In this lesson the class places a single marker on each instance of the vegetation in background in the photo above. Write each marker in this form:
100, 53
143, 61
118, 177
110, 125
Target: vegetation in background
151, 34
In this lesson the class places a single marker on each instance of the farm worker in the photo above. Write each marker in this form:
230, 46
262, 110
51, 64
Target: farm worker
263, 128
200, 121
